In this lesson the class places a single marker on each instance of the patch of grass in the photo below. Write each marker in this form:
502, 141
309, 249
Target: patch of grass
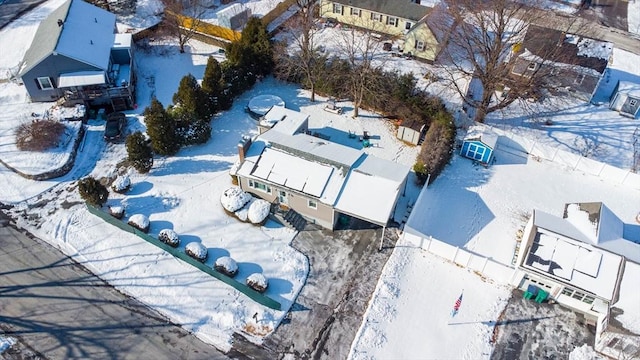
39, 135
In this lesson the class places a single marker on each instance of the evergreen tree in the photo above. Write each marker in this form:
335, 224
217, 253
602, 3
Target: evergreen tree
190, 98
92, 191
161, 129
254, 51
212, 85
139, 152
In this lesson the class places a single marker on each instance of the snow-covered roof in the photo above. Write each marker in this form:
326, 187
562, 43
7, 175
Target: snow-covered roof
76, 29
602, 228
572, 261
261, 104
629, 88
284, 120
122, 41
482, 134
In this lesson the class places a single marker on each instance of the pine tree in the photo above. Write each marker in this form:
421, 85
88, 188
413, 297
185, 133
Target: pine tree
190, 98
254, 51
139, 152
161, 129
212, 85
92, 191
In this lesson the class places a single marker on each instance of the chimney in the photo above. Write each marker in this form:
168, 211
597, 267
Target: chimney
243, 146
60, 22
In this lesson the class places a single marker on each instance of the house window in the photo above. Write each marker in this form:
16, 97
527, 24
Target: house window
376, 17
260, 186
338, 9
393, 21
312, 204
45, 83
356, 12
579, 79
420, 45
633, 102
532, 66
408, 25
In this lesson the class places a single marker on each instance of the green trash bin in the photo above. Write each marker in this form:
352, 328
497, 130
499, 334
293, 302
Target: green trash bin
542, 296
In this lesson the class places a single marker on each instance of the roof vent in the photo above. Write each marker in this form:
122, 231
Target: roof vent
60, 22
95, 19
91, 41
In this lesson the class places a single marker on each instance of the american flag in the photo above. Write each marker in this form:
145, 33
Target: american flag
456, 306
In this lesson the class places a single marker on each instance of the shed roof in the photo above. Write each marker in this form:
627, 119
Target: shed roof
404, 9
87, 35
482, 134
629, 88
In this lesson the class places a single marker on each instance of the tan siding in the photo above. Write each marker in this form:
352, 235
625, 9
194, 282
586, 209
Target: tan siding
365, 20
424, 34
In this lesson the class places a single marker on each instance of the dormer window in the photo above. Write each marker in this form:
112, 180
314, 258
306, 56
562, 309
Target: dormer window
532, 66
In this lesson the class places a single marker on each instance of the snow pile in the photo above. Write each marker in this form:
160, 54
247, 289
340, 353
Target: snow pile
595, 49
584, 352
258, 211
139, 221
121, 184
226, 265
257, 282
234, 198
169, 237
243, 213
5, 343
196, 250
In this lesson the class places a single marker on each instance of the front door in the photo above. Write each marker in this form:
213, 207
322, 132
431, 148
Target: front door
282, 197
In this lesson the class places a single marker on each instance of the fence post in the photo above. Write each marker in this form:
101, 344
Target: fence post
455, 254
486, 260
430, 241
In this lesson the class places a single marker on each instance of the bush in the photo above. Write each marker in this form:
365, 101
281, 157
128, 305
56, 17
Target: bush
140, 222
39, 135
139, 152
121, 184
169, 237
92, 191
437, 147
226, 265
257, 282
196, 251
116, 211
161, 128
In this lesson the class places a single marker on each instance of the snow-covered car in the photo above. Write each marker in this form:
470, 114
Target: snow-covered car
234, 198
114, 126
196, 251
257, 282
169, 237
226, 265
140, 222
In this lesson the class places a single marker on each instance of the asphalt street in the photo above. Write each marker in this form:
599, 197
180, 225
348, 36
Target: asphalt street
13, 9
57, 309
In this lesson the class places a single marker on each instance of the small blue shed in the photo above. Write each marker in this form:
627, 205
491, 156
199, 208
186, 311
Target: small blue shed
479, 144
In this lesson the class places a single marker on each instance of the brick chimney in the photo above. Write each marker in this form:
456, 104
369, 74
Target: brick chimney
243, 146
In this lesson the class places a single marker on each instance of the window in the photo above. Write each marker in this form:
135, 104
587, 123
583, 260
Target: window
578, 295
579, 79
633, 102
356, 12
376, 17
45, 83
532, 66
338, 9
420, 45
260, 186
408, 25
393, 21
475, 152
312, 204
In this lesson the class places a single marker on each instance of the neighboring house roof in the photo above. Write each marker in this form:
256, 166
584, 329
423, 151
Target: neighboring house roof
284, 120
400, 8
604, 229
559, 250
87, 35
487, 137
557, 46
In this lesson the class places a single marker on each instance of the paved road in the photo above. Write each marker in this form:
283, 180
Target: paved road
57, 309
13, 9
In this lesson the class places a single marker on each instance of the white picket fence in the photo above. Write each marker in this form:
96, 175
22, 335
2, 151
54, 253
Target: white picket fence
484, 266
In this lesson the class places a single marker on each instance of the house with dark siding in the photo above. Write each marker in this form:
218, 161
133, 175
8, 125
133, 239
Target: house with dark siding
78, 57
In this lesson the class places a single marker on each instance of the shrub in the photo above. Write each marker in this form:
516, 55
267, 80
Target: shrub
139, 152
121, 184
257, 282
234, 198
196, 251
258, 211
169, 237
39, 135
139, 222
226, 265
116, 211
437, 147
92, 191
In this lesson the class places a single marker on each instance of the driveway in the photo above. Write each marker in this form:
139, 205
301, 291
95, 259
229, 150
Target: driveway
344, 269
528, 330
610, 13
57, 309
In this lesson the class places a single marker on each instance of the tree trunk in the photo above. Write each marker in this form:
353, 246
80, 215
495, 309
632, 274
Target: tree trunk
313, 92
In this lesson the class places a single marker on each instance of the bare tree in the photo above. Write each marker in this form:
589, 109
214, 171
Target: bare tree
483, 36
182, 19
303, 55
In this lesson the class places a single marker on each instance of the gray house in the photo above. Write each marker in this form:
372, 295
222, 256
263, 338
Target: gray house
76, 55
320, 180
568, 63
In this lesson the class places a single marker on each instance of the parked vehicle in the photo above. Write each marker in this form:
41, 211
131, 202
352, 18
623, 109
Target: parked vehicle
114, 127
